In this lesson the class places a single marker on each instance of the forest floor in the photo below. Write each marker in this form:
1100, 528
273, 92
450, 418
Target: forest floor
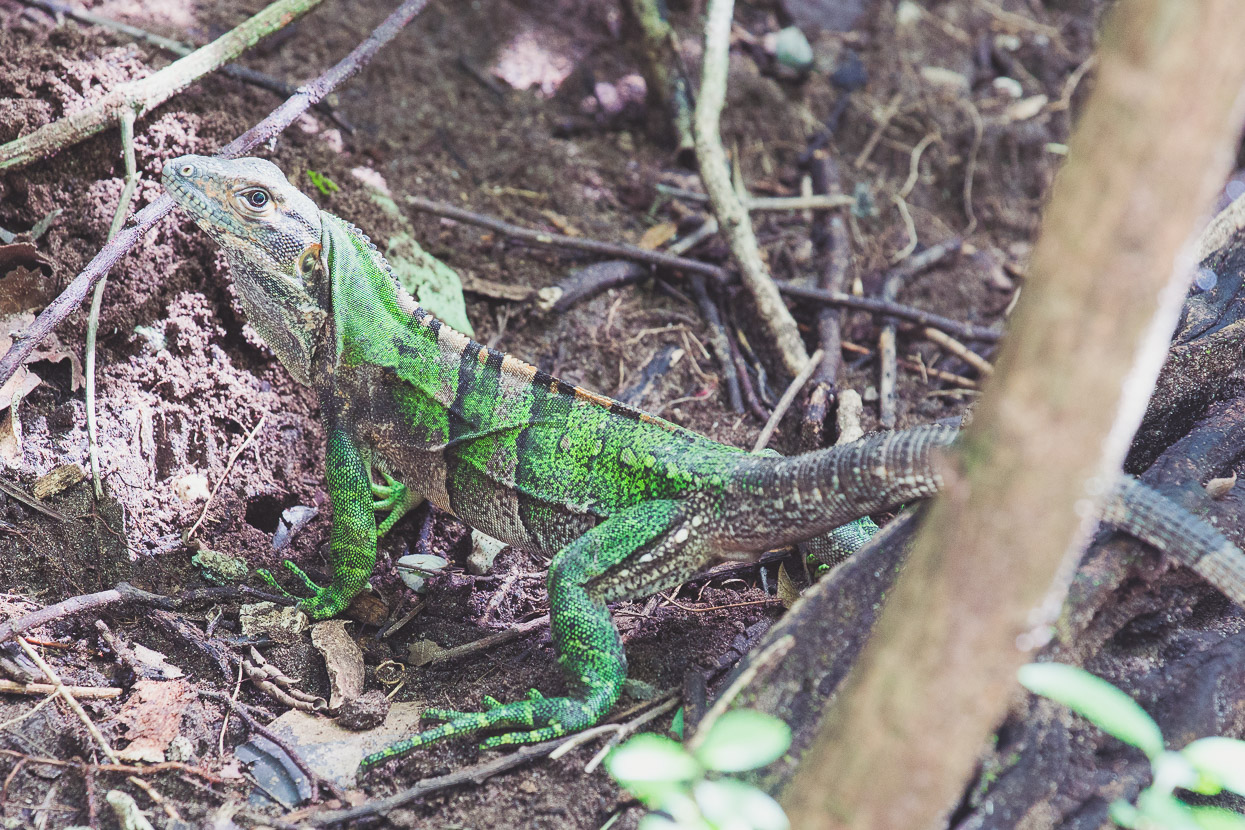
523, 111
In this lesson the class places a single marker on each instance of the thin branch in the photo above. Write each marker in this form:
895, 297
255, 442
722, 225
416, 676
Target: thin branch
815, 201
269, 128
717, 340
92, 325
964, 331
593, 246
145, 94
784, 403
961, 351
727, 207
67, 696
470, 775
228, 467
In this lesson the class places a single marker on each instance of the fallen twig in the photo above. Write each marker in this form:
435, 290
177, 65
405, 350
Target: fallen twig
470, 775
30, 501
141, 96
85, 692
964, 331
124, 592
69, 699
228, 468
959, 350
92, 325
485, 643
717, 340
825, 179
912, 366
816, 201
784, 403
270, 127
594, 246
727, 207
589, 281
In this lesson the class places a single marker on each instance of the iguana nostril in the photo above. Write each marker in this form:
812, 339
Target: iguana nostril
187, 169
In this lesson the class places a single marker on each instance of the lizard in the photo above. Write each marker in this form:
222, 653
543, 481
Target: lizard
625, 503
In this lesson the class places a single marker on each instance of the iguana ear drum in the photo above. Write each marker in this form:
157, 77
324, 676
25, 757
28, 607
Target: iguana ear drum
308, 259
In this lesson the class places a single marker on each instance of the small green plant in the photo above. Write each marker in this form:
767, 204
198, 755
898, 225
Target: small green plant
322, 182
669, 779
1207, 766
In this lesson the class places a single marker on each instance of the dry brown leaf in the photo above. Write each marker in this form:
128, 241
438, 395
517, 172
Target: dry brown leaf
658, 235
561, 223
1217, 488
422, 652
11, 436
788, 591
22, 289
153, 715
49, 349
342, 658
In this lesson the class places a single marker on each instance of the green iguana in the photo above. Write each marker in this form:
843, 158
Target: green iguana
627, 504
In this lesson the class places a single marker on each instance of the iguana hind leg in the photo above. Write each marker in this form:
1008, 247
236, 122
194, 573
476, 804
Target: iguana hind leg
587, 644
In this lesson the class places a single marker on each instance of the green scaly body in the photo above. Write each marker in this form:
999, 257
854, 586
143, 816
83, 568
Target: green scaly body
626, 503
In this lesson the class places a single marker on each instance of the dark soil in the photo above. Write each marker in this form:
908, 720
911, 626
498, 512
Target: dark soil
182, 380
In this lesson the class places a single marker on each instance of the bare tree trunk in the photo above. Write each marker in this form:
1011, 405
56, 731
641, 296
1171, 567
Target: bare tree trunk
976, 596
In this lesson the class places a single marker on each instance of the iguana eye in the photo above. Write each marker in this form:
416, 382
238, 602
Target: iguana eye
256, 198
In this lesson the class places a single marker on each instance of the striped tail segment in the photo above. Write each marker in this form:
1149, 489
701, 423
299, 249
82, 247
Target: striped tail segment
780, 501
1192, 541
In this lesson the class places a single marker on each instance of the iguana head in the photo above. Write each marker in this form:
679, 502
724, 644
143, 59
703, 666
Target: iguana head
270, 233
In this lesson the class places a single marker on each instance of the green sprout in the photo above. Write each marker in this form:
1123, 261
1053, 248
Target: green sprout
676, 783
1207, 766
322, 182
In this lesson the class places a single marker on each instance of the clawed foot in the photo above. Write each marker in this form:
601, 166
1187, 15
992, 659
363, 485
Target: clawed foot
544, 717
396, 498
323, 602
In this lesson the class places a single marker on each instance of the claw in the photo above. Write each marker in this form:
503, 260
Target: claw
323, 602
544, 717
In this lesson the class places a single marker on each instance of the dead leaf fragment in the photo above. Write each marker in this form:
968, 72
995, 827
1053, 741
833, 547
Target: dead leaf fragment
58, 480
1217, 488
11, 435
658, 235
153, 715
342, 657
1025, 108
423, 652
788, 591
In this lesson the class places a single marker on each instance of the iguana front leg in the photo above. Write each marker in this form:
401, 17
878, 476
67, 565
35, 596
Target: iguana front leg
395, 497
353, 541
587, 644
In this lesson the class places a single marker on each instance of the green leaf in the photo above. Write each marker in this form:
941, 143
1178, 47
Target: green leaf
732, 804
650, 758
676, 724
1124, 814
1165, 811
1222, 760
744, 739
322, 182
1216, 818
653, 821
1096, 700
